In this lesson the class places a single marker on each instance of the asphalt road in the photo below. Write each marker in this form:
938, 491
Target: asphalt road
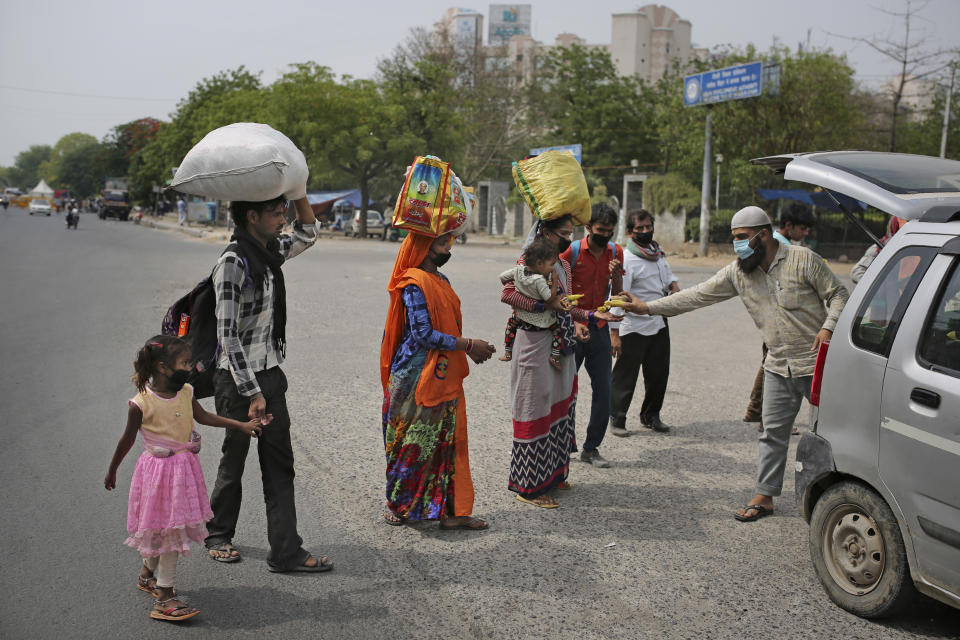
645, 549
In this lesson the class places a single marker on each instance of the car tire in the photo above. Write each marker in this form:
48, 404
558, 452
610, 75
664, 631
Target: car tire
858, 552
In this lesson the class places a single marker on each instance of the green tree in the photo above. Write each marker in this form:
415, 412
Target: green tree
50, 170
82, 169
25, 172
819, 107
578, 97
923, 134
229, 96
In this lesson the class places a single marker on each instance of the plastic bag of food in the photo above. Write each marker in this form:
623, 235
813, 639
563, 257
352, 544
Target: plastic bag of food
552, 184
432, 201
243, 161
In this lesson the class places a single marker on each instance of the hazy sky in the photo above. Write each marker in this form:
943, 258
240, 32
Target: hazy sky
86, 66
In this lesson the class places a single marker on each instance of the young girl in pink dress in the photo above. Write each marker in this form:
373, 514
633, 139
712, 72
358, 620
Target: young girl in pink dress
168, 504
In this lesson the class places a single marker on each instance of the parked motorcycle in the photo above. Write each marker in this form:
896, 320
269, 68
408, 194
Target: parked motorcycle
73, 217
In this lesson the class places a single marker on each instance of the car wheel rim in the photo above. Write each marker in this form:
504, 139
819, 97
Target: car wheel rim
853, 549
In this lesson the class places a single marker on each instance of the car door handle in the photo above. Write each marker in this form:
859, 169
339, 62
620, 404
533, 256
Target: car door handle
925, 397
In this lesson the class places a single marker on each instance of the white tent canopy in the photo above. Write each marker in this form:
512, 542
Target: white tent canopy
42, 190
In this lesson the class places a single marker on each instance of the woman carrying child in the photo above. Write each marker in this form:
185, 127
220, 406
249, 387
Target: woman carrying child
168, 505
544, 404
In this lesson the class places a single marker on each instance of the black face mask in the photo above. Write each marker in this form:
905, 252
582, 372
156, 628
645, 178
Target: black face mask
749, 264
178, 378
600, 241
562, 244
643, 239
440, 259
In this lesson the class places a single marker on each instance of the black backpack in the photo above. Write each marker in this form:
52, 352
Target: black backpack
200, 305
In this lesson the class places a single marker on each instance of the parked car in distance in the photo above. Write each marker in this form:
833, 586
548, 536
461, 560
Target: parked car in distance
374, 224
39, 205
878, 478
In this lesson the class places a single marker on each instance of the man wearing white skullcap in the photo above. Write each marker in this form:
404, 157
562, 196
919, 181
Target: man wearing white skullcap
794, 299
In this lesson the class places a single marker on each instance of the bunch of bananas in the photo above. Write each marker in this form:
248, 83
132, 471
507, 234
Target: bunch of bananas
614, 301
573, 298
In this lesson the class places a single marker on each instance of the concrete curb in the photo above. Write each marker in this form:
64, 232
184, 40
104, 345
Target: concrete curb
196, 233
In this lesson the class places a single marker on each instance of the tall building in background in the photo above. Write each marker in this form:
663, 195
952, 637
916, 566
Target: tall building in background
646, 42
462, 27
506, 21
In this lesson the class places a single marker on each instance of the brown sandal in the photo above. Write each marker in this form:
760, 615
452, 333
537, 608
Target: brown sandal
162, 612
542, 501
144, 584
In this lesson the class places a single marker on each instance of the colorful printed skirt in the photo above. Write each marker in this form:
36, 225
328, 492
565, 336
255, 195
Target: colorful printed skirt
168, 506
428, 470
544, 405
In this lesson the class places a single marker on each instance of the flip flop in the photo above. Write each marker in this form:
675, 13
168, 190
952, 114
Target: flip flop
226, 547
761, 512
546, 505
320, 567
469, 525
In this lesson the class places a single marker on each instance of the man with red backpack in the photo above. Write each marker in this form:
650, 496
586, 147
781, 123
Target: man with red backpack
597, 266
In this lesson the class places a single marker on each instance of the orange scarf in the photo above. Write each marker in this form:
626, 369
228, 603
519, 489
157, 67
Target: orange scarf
442, 377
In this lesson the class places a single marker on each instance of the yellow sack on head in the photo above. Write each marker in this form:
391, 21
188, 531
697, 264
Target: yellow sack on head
432, 201
552, 184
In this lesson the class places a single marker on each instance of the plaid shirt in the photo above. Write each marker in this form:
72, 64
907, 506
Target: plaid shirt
245, 314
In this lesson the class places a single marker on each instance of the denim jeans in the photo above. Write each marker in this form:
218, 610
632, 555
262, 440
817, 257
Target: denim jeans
781, 403
596, 353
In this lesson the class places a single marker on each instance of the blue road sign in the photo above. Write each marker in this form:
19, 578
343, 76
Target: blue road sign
575, 149
721, 85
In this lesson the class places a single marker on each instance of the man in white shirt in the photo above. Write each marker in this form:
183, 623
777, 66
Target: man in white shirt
642, 341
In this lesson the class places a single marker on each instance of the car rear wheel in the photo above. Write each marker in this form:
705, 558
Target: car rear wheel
858, 552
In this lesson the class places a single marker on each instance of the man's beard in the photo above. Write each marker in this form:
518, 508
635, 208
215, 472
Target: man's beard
747, 265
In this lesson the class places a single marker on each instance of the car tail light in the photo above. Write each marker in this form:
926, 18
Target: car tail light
818, 373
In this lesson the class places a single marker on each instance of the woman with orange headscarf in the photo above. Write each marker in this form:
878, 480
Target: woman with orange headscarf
423, 361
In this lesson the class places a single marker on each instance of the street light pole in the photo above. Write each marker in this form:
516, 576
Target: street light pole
705, 185
946, 114
716, 198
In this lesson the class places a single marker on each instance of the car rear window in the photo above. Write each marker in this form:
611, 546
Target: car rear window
897, 172
940, 343
881, 310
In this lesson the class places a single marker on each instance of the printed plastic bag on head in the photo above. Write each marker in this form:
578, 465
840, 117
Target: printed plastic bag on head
432, 201
243, 161
552, 184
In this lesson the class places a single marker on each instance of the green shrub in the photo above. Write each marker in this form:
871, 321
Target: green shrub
719, 226
670, 192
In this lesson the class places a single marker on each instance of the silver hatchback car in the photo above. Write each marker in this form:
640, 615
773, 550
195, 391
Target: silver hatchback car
878, 479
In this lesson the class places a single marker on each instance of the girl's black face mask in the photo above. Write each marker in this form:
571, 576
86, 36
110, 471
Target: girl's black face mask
178, 378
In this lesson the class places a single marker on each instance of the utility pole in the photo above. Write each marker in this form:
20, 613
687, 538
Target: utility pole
716, 198
946, 113
705, 185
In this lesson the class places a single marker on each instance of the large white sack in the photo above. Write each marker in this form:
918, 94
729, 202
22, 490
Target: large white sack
243, 161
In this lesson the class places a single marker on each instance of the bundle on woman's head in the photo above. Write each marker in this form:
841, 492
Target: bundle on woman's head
432, 201
157, 349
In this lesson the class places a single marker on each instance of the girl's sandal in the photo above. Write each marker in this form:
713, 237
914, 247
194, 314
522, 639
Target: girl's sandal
148, 585
542, 501
565, 486
162, 612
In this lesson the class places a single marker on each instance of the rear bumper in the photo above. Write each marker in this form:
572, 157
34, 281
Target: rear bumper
814, 462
